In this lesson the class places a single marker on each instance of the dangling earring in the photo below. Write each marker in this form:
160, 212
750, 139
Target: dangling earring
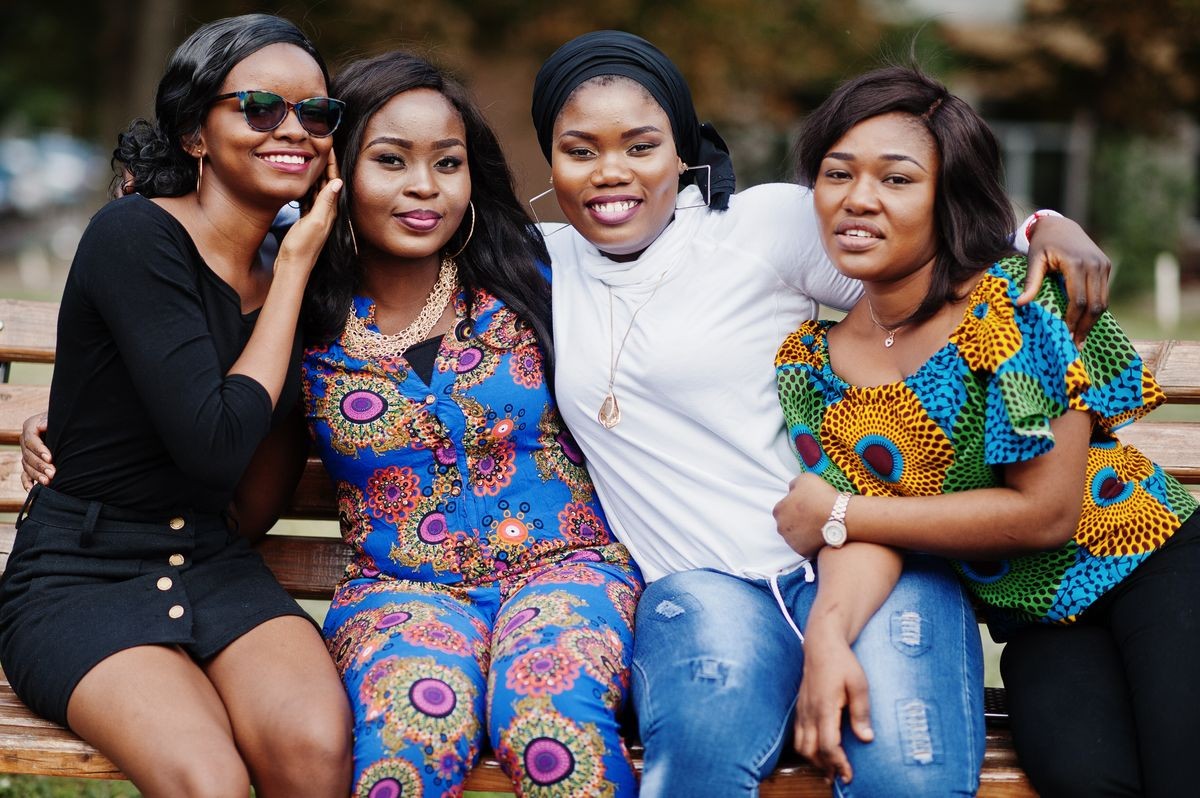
199, 172
353, 240
533, 211
470, 231
707, 187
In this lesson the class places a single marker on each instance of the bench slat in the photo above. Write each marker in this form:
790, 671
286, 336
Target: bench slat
31, 745
17, 403
1176, 366
29, 330
314, 496
1171, 444
307, 567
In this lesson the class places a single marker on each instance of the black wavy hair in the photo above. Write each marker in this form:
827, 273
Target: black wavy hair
152, 153
505, 249
973, 216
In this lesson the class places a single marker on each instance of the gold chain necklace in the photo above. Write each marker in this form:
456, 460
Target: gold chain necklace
364, 344
609, 414
891, 334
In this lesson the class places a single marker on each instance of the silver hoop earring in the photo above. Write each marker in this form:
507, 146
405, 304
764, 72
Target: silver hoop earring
538, 221
470, 231
353, 240
707, 187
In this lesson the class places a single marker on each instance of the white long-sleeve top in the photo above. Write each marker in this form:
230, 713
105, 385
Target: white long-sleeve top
690, 475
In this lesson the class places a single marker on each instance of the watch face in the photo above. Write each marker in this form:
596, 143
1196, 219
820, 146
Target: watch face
834, 533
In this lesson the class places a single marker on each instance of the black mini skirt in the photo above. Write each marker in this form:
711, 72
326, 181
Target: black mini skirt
86, 580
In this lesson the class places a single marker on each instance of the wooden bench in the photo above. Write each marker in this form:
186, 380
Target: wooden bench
309, 566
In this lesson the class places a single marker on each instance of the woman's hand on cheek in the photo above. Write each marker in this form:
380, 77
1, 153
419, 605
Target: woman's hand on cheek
800, 515
303, 242
834, 682
1061, 245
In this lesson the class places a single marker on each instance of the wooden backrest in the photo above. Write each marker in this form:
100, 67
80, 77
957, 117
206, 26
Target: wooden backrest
309, 566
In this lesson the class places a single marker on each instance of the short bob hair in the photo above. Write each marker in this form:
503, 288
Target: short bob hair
502, 253
973, 216
153, 153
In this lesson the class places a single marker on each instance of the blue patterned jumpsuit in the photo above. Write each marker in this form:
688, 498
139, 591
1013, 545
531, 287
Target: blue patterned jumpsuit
485, 582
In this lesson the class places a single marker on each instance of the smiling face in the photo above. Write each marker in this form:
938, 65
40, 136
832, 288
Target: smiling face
411, 185
268, 168
874, 196
614, 166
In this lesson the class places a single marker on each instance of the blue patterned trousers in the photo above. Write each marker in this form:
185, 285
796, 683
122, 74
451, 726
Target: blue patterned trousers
543, 657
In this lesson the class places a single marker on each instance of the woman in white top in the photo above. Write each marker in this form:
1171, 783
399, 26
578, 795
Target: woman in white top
670, 293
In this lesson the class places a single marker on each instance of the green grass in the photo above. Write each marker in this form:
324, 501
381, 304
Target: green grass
47, 787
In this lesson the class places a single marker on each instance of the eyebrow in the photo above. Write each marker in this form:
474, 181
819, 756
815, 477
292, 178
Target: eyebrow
628, 134
440, 144
889, 156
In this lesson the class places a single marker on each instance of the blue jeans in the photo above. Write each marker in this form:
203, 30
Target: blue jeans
716, 670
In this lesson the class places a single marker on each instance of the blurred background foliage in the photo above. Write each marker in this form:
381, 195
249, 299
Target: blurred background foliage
1108, 92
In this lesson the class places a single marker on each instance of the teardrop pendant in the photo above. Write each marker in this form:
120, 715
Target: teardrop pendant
891, 339
610, 412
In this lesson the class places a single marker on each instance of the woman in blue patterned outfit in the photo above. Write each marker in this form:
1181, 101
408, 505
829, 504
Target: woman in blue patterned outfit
485, 582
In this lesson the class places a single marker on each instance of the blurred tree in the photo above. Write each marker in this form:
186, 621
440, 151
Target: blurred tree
88, 65
1130, 72
1132, 66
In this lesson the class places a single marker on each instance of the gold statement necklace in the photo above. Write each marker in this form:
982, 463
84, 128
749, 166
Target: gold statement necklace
609, 414
364, 344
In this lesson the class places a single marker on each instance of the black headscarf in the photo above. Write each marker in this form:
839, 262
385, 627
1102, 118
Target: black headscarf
612, 52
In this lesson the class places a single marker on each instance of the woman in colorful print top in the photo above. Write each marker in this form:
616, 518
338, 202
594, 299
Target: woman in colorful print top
971, 426
485, 582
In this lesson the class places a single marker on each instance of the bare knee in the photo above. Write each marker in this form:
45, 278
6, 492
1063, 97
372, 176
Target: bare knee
202, 776
321, 745
309, 754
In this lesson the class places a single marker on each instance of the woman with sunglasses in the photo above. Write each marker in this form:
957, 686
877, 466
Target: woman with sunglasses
130, 610
669, 292
486, 598
975, 428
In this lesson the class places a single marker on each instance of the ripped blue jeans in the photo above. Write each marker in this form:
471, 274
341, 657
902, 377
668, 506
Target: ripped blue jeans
716, 670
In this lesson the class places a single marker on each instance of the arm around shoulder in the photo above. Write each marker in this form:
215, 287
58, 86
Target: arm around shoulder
270, 480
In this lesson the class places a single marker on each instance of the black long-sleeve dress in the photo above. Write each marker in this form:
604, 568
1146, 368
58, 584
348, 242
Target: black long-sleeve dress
150, 438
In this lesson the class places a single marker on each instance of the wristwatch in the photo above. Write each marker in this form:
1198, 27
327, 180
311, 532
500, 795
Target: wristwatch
834, 531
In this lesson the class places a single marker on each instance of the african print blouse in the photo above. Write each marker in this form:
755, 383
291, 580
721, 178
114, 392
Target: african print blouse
985, 400
460, 482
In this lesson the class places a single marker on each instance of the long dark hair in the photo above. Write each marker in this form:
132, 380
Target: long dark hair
973, 217
153, 152
503, 254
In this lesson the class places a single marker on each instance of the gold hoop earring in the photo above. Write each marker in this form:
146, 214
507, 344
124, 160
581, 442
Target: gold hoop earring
353, 240
199, 172
470, 231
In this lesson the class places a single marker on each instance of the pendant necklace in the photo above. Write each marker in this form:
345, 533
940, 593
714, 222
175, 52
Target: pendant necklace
609, 414
891, 334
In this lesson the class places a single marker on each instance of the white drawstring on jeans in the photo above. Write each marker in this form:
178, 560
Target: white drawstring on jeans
773, 581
